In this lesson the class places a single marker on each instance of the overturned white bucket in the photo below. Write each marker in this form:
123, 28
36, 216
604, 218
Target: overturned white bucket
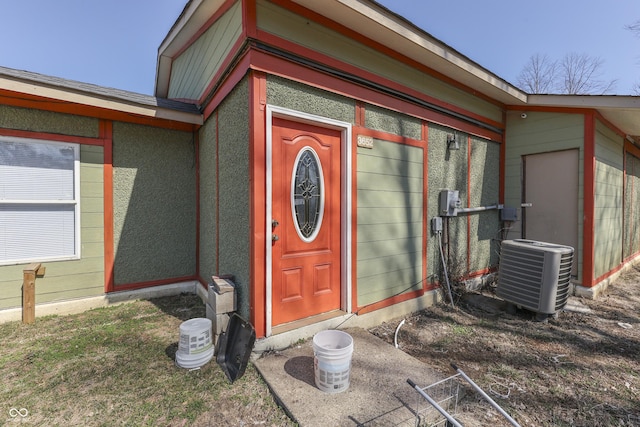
332, 362
195, 347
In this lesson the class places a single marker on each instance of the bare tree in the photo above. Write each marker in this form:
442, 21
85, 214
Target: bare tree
635, 29
539, 75
580, 75
574, 74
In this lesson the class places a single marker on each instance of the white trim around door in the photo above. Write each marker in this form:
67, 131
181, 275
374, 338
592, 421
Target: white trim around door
346, 195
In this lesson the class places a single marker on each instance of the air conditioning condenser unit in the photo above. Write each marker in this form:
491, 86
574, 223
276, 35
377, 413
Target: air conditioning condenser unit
535, 275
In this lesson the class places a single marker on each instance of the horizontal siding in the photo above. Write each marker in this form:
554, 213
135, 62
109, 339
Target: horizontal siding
302, 31
394, 282
92, 157
66, 280
382, 248
84, 284
607, 224
398, 230
390, 197
631, 205
608, 213
540, 133
376, 183
192, 71
389, 211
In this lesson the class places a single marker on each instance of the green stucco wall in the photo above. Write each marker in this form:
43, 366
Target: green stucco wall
447, 170
234, 201
484, 190
306, 99
608, 200
46, 121
390, 185
72, 279
208, 199
389, 121
154, 203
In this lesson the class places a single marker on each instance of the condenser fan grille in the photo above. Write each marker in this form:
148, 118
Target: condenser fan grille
535, 275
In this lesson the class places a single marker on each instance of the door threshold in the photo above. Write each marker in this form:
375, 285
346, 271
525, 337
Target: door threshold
297, 324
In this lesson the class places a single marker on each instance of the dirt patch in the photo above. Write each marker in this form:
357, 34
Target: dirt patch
579, 369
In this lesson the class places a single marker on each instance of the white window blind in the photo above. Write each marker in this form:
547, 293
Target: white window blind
39, 200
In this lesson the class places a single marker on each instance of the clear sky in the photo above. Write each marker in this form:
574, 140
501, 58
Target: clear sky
114, 43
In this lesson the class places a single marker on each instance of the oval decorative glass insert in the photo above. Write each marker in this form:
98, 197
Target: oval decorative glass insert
307, 194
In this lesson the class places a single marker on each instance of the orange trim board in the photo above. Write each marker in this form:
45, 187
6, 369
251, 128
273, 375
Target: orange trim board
249, 18
106, 131
387, 137
212, 20
629, 147
354, 218
100, 141
333, 63
390, 301
268, 63
18, 99
425, 202
257, 161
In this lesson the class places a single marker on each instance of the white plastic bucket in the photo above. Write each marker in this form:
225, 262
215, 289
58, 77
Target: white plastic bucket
332, 362
195, 347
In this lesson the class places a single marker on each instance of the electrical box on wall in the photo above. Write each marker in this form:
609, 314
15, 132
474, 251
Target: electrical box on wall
508, 214
449, 203
436, 224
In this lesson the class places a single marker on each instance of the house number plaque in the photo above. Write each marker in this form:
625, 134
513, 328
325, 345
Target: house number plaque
365, 141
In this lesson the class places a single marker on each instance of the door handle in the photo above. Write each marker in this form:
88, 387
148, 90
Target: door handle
274, 223
274, 237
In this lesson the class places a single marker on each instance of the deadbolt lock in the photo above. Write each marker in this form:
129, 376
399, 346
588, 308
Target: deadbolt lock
274, 238
274, 223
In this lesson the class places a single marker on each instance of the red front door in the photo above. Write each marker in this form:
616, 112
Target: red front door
306, 221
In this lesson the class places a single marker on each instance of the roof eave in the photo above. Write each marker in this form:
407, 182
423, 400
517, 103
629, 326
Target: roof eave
372, 20
623, 111
195, 15
382, 25
96, 96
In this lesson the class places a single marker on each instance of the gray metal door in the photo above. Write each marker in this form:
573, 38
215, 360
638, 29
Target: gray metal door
551, 186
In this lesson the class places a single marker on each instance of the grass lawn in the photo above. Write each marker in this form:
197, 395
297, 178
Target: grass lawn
115, 366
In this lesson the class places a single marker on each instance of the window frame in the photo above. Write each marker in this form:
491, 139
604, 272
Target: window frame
320, 216
74, 202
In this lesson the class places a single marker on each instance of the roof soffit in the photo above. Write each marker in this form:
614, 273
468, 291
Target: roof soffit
195, 15
97, 96
623, 111
389, 29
